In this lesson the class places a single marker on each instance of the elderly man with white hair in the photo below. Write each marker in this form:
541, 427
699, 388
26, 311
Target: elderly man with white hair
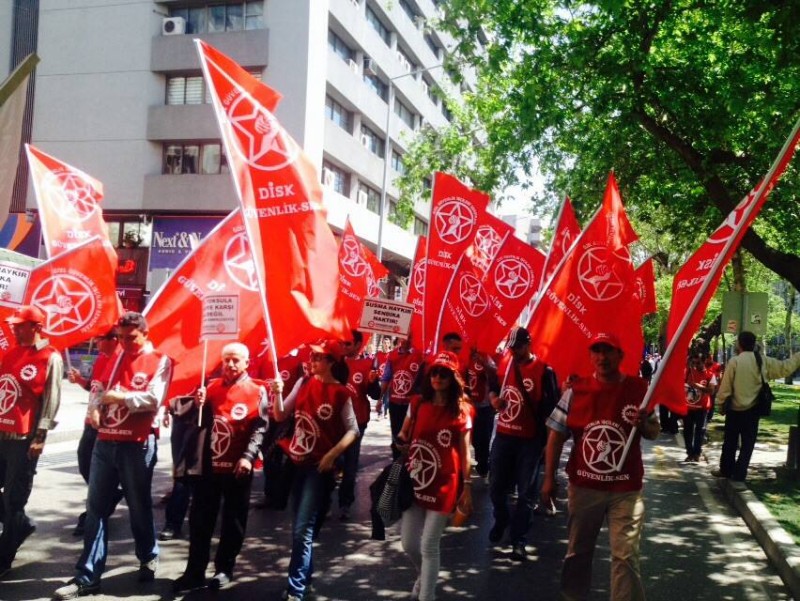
233, 423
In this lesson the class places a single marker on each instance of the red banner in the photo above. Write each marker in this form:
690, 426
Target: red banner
354, 271
591, 292
76, 291
69, 203
567, 231
221, 264
455, 212
646, 287
377, 273
416, 290
294, 250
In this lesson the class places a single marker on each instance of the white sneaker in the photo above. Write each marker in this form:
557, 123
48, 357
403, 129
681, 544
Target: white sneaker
219, 580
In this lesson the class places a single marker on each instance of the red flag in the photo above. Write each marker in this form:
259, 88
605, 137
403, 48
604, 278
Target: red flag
455, 210
696, 282
69, 203
354, 270
591, 292
221, 264
377, 273
567, 231
76, 291
294, 250
416, 289
646, 287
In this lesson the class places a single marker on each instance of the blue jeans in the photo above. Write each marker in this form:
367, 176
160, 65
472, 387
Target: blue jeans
514, 461
309, 490
130, 464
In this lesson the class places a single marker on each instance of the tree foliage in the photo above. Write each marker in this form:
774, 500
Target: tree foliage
688, 101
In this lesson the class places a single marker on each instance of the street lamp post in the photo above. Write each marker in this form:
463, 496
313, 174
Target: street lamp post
387, 153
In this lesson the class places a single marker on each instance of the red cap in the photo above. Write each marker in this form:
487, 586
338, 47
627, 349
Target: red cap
328, 347
604, 338
27, 313
448, 360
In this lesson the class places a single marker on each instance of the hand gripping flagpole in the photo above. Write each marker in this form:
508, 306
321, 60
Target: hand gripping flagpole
765, 187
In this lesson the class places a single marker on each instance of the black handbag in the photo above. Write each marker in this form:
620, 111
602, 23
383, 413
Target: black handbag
765, 397
397, 493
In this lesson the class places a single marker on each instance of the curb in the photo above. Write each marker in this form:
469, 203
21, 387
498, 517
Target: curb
776, 542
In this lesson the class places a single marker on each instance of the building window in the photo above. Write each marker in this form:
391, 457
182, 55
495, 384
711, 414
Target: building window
335, 178
379, 27
235, 16
373, 197
409, 10
195, 158
420, 227
341, 49
432, 44
446, 112
191, 89
430, 88
338, 114
372, 141
376, 85
405, 113
397, 162
406, 62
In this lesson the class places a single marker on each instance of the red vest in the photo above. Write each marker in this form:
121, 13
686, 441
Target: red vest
23, 374
236, 413
601, 418
380, 359
357, 383
318, 422
434, 456
404, 372
700, 401
518, 417
131, 373
477, 381
101, 371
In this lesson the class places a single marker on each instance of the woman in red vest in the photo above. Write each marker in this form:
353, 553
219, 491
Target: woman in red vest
437, 430
325, 425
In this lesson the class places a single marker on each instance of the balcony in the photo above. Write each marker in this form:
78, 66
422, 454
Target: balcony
176, 53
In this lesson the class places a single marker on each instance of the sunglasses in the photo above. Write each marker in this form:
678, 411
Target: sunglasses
440, 372
317, 357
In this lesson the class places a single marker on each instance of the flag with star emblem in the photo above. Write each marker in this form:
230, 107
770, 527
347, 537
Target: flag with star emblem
567, 231
221, 264
68, 201
416, 291
646, 287
76, 291
294, 251
354, 270
377, 273
591, 292
455, 211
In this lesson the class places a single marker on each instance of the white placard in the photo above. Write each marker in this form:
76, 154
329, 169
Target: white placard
220, 317
381, 316
13, 283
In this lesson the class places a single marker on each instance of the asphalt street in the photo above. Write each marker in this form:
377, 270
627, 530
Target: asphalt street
695, 546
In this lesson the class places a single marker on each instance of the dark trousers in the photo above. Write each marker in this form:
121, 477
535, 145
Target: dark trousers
668, 420
208, 493
178, 504
397, 415
741, 429
514, 462
16, 480
347, 487
482, 437
694, 429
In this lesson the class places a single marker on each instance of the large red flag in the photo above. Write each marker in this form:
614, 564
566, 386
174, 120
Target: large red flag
591, 292
455, 211
377, 273
696, 282
294, 250
567, 231
69, 203
76, 291
354, 271
646, 287
221, 264
416, 290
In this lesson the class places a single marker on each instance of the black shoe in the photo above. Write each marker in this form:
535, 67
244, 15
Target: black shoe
186, 583
76, 588
80, 527
496, 533
519, 552
219, 581
169, 534
4, 569
147, 570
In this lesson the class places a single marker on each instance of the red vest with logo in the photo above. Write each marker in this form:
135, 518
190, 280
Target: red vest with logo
699, 401
477, 381
380, 360
101, 371
23, 374
236, 413
290, 368
404, 372
131, 374
318, 424
358, 382
434, 456
601, 418
518, 416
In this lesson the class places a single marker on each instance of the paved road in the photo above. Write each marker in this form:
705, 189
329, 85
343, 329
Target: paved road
695, 547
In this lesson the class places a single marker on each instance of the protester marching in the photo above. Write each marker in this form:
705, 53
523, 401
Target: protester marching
256, 348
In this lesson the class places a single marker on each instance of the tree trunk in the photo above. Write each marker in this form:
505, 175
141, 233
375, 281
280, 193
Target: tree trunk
739, 283
787, 324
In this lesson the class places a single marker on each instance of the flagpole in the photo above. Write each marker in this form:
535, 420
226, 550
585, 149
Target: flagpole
717, 265
202, 381
555, 232
444, 303
427, 250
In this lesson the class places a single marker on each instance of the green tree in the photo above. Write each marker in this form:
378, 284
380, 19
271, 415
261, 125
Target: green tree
688, 101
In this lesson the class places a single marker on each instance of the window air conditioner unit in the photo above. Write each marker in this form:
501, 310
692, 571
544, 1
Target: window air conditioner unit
173, 26
328, 177
419, 21
369, 67
353, 66
365, 140
362, 198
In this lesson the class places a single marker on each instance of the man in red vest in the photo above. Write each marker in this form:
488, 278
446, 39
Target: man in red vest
398, 378
600, 412
30, 393
125, 453
234, 410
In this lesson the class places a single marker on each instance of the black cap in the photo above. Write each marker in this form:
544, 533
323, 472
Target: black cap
518, 337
